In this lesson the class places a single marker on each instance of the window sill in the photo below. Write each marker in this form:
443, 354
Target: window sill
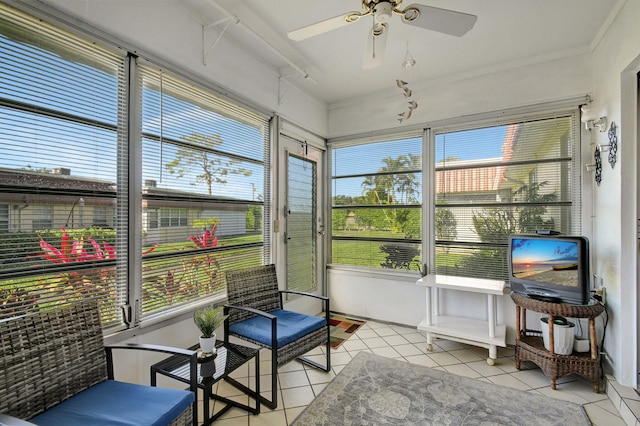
395, 274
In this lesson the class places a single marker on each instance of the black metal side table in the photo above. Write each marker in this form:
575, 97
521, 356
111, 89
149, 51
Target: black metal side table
228, 358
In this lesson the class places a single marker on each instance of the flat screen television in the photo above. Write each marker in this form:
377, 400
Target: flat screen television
553, 268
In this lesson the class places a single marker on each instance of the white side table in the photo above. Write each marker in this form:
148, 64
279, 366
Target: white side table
486, 334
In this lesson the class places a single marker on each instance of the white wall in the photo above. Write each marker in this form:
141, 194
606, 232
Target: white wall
464, 95
614, 244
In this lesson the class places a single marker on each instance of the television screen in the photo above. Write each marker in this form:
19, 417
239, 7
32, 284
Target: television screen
553, 268
546, 261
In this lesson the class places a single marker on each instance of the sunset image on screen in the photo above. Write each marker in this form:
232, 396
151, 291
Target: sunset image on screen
549, 261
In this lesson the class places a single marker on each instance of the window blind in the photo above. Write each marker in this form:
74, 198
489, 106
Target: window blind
204, 194
377, 204
515, 177
60, 127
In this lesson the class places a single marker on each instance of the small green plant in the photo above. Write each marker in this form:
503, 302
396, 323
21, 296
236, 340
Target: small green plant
208, 319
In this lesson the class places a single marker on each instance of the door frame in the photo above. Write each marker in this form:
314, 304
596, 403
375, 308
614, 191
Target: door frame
290, 138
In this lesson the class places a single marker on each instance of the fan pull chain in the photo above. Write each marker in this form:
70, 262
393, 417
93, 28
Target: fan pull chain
373, 37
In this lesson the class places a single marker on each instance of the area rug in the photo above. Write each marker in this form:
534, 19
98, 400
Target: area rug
373, 390
342, 328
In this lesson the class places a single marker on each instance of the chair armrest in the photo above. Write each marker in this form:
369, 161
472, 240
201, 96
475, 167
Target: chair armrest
192, 355
228, 308
325, 299
304, 293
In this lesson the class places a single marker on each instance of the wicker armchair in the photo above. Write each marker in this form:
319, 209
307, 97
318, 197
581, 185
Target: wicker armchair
55, 370
256, 312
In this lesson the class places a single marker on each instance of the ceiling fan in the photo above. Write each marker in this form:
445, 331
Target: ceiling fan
427, 17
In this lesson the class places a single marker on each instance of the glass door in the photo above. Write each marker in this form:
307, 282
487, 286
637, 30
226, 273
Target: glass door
303, 216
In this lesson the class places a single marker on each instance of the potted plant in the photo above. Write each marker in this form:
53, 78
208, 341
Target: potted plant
208, 319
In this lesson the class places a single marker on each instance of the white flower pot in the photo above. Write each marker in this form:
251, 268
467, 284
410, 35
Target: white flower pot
563, 336
208, 344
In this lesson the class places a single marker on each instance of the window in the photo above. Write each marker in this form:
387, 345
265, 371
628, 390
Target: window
60, 126
42, 218
204, 165
171, 218
376, 219
4, 217
490, 182
67, 162
100, 216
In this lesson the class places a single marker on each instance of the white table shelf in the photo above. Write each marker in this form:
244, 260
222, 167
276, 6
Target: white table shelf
486, 334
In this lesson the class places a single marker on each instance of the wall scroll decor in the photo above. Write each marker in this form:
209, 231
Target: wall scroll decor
613, 144
598, 165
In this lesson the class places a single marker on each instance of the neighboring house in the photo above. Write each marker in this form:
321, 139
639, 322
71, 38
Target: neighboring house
34, 202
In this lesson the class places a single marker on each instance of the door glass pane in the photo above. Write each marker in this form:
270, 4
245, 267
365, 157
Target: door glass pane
301, 219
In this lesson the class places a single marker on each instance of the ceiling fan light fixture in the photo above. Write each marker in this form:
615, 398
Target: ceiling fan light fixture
410, 14
353, 17
378, 29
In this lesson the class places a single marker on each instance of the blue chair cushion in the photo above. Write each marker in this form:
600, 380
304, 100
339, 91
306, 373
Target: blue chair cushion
290, 327
118, 403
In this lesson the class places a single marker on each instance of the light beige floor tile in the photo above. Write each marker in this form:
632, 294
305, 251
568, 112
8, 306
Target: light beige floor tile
407, 350
424, 360
293, 379
463, 370
291, 414
415, 337
297, 397
353, 345
386, 351
485, 369
601, 417
467, 355
395, 340
509, 380
444, 358
318, 376
385, 331
272, 418
341, 358
375, 342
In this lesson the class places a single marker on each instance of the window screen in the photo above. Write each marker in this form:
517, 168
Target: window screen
494, 181
204, 167
60, 128
376, 215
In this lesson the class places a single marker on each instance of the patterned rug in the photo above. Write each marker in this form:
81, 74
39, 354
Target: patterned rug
342, 328
373, 390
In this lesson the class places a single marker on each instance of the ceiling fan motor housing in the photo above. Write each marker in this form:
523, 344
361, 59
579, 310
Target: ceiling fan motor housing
382, 12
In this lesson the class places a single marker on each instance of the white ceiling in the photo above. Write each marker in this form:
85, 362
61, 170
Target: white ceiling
508, 33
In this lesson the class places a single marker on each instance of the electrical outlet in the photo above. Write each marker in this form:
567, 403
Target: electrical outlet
603, 294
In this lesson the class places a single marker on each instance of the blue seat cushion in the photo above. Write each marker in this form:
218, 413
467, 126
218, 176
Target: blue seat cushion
118, 403
290, 327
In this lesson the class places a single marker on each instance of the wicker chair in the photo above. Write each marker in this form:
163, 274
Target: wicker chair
55, 369
256, 312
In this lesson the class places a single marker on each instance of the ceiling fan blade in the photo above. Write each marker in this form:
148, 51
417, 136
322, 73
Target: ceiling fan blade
440, 20
324, 26
376, 46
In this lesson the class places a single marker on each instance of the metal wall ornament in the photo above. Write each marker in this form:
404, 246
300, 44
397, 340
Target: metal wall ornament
613, 144
598, 165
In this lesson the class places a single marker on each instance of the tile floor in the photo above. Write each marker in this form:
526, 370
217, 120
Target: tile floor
299, 384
